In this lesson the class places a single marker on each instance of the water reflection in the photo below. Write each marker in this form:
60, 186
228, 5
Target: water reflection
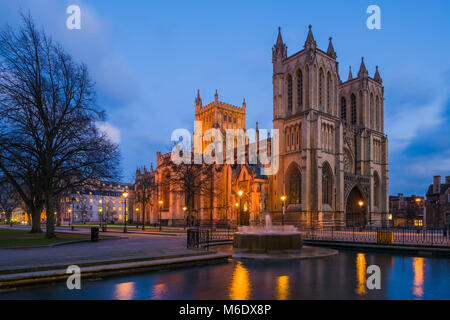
283, 288
124, 291
240, 283
159, 291
339, 277
361, 268
418, 284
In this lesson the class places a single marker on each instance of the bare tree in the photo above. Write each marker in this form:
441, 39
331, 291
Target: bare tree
194, 181
9, 199
49, 99
145, 187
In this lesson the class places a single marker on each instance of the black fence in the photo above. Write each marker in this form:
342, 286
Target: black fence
399, 236
206, 237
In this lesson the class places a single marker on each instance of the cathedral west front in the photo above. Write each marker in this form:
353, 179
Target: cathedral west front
333, 153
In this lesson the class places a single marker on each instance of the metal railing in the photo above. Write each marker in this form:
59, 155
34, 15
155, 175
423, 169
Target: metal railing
205, 237
394, 236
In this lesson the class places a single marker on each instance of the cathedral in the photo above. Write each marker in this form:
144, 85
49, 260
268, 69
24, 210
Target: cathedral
333, 153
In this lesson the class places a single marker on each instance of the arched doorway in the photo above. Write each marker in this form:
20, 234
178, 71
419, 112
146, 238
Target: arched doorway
355, 209
245, 214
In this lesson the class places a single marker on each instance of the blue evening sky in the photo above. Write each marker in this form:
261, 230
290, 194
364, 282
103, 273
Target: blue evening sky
148, 59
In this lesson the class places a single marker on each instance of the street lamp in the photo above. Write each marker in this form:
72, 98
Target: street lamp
184, 213
240, 194
160, 202
125, 195
73, 212
283, 198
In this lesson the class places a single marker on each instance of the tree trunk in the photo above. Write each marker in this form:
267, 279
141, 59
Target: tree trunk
50, 216
35, 220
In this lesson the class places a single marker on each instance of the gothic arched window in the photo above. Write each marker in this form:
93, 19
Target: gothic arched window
329, 92
326, 184
289, 93
321, 80
343, 109
353, 108
377, 114
165, 190
376, 189
299, 89
295, 187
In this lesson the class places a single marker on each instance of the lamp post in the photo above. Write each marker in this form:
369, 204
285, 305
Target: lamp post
160, 202
73, 212
283, 198
240, 194
361, 205
125, 195
184, 214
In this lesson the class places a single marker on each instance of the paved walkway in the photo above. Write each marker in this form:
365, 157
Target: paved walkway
129, 246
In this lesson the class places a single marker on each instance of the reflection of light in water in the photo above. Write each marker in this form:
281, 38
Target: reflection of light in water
240, 284
283, 288
419, 267
159, 291
361, 273
124, 291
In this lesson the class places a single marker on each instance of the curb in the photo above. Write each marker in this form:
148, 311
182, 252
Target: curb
443, 251
39, 277
60, 244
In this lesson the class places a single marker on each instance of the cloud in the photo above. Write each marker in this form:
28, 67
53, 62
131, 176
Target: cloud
112, 132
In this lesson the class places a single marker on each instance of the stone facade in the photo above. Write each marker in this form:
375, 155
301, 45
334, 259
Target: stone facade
331, 138
333, 150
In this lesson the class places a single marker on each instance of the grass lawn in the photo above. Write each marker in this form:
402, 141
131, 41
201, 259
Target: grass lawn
23, 238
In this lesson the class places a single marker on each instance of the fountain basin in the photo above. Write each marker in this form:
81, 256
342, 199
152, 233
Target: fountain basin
267, 242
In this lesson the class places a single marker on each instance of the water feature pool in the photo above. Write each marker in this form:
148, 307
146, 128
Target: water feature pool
337, 277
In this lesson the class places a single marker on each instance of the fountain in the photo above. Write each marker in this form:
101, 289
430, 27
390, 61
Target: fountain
268, 238
271, 242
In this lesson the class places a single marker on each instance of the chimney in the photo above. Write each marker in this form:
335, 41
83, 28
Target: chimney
437, 184
447, 180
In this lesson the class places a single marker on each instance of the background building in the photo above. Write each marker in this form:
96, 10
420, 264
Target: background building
102, 201
407, 211
438, 203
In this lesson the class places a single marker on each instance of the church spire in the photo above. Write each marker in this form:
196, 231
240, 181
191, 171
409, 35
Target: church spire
350, 76
198, 99
330, 50
216, 97
377, 76
310, 42
362, 70
279, 49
